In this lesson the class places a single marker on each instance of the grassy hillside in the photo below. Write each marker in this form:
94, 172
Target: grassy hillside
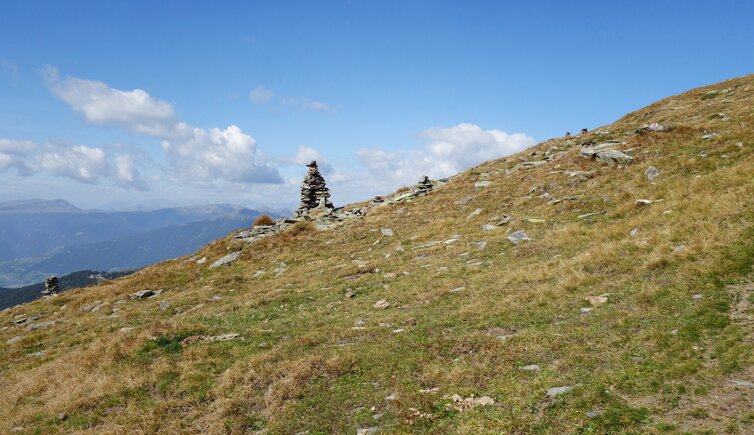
644, 310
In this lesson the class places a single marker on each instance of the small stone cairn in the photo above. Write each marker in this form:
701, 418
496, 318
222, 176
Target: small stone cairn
314, 193
51, 286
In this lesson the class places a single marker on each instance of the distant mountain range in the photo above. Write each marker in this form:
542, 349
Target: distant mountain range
14, 296
39, 238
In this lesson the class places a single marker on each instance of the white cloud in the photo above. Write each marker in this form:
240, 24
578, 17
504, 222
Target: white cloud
448, 151
197, 155
81, 163
264, 95
305, 155
261, 95
467, 145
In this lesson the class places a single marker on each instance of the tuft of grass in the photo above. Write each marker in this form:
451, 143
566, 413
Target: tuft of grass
263, 220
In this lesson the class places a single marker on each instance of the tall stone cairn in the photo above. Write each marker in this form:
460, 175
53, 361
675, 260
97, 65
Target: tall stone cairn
314, 193
51, 286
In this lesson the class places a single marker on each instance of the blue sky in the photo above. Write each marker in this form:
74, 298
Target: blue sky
127, 103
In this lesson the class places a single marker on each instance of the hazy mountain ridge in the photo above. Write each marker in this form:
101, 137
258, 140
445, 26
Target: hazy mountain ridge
37, 227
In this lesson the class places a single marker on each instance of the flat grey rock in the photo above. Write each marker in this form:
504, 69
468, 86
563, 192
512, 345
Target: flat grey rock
226, 261
518, 237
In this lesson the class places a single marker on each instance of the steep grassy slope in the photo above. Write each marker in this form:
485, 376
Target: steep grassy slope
672, 332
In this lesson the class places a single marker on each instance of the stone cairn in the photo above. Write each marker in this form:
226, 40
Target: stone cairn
425, 186
314, 193
51, 286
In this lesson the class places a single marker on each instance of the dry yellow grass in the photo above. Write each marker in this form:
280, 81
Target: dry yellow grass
310, 358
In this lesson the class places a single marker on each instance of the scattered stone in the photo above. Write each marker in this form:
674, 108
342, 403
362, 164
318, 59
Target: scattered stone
430, 390
593, 414
597, 300
588, 215
606, 152
679, 248
614, 156
634, 232
164, 305
530, 368
501, 334
390, 275
142, 294
99, 306
387, 232
476, 212
201, 260
15, 339
398, 331
391, 397
741, 383
654, 127
126, 329
197, 338
652, 173
696, 297
482, 183
367, 430
462, 404
518, 237
489, 227
226, 260
642, 202
586, 309
557, 391
457, 289
39, 325
381, 304
709, 136
350, 293
674, 332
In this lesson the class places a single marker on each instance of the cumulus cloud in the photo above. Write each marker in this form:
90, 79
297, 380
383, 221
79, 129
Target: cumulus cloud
448, 150
467, 145
264, 95
197, 155
304, 155
78, 162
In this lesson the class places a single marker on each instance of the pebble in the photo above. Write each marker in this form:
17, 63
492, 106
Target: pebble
557, 391
387, 232
457, 289
586, 309
482, 183
15, 339
652, 173
381, 304
201, 260
530, 368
